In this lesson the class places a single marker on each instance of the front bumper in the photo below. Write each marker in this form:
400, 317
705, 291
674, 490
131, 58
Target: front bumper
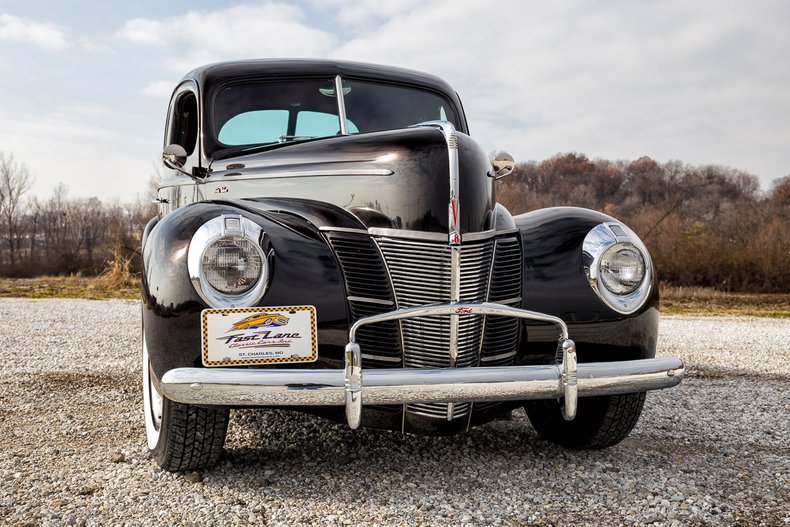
351, 388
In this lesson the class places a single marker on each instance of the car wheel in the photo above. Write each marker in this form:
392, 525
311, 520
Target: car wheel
600, 422
180, 436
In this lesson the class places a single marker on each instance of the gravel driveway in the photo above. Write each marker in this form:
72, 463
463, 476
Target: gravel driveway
712, 451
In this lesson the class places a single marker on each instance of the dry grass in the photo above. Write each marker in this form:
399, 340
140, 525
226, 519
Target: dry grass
706, 301
118, 282
118, 273
70, 287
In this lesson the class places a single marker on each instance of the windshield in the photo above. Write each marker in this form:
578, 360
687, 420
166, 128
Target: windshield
261, 112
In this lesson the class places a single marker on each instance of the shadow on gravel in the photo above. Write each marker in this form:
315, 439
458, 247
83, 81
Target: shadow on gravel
714, 372
285, 445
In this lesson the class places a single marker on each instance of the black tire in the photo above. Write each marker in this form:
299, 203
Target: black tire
181, 437
190, 437
600, 422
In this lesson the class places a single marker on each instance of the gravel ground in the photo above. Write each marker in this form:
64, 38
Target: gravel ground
712, 451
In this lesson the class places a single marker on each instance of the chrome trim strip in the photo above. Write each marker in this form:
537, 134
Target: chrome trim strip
341, 105
484, 235
399, 325
352, 381
382, 358
215, 178
419, 235
483, 327
415, 235
394, 295
567, 368
461, 308
455, 297
454, 207
327, 387
342, 229
516, 300
490, 358
370, 300
570, 385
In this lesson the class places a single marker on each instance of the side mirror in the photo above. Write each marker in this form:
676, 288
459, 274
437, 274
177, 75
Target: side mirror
502, 164
174, 156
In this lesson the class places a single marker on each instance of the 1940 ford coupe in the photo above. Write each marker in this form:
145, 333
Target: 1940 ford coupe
329, 241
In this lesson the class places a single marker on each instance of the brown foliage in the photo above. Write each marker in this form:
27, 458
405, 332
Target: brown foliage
706, 226
82, 236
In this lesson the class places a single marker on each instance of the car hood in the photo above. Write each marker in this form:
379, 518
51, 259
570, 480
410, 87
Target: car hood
395, 179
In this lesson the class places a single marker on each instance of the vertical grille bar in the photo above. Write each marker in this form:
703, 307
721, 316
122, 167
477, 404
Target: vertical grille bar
500, 340
501, 335
421, 274
369, 293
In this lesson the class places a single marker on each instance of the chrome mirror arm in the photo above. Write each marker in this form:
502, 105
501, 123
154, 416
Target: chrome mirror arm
174, 157
502, 164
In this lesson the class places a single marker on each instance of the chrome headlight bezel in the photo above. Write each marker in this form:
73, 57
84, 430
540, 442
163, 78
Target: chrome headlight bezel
598, 241
226, 226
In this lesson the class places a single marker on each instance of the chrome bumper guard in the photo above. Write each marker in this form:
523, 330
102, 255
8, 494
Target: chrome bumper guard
351, 388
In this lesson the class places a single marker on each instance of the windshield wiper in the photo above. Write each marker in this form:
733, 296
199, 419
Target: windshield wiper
230, 152
282, 140
291, 138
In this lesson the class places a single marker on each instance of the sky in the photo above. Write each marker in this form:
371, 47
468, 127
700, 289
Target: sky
84, 85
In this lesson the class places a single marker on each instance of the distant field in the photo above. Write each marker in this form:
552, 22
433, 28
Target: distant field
680, 300
697, 300
68, 287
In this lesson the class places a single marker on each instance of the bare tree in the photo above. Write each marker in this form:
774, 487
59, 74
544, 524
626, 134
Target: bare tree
780, 191
15, 180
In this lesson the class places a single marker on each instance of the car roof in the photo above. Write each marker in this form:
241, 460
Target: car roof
209, 74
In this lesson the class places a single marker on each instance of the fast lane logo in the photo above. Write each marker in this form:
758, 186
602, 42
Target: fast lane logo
260, 320
260, 339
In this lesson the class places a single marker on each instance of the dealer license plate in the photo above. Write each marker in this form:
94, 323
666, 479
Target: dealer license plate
258, 335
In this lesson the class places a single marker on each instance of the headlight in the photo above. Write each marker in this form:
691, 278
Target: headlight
226, 263
232, 265
622, 268
617, 266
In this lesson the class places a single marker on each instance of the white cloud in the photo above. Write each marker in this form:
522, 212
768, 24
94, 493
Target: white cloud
244, 31
83, 146
702, 82
159, 89
366, 15
42, 34
145, 31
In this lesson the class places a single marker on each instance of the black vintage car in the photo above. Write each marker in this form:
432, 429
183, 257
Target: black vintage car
329, 240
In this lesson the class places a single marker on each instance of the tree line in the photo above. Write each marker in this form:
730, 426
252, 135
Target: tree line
63, 235
708, 226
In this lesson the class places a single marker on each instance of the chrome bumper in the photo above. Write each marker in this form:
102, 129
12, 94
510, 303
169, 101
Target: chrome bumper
352, 388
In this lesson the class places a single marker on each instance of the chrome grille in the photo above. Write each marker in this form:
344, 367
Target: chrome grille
500, 340
369, 293
413, 273
421, 274
501, 333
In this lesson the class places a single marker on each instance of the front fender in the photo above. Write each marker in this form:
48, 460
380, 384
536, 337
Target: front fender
303, 271
555, 283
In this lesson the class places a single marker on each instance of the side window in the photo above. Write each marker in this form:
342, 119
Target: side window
185, 123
